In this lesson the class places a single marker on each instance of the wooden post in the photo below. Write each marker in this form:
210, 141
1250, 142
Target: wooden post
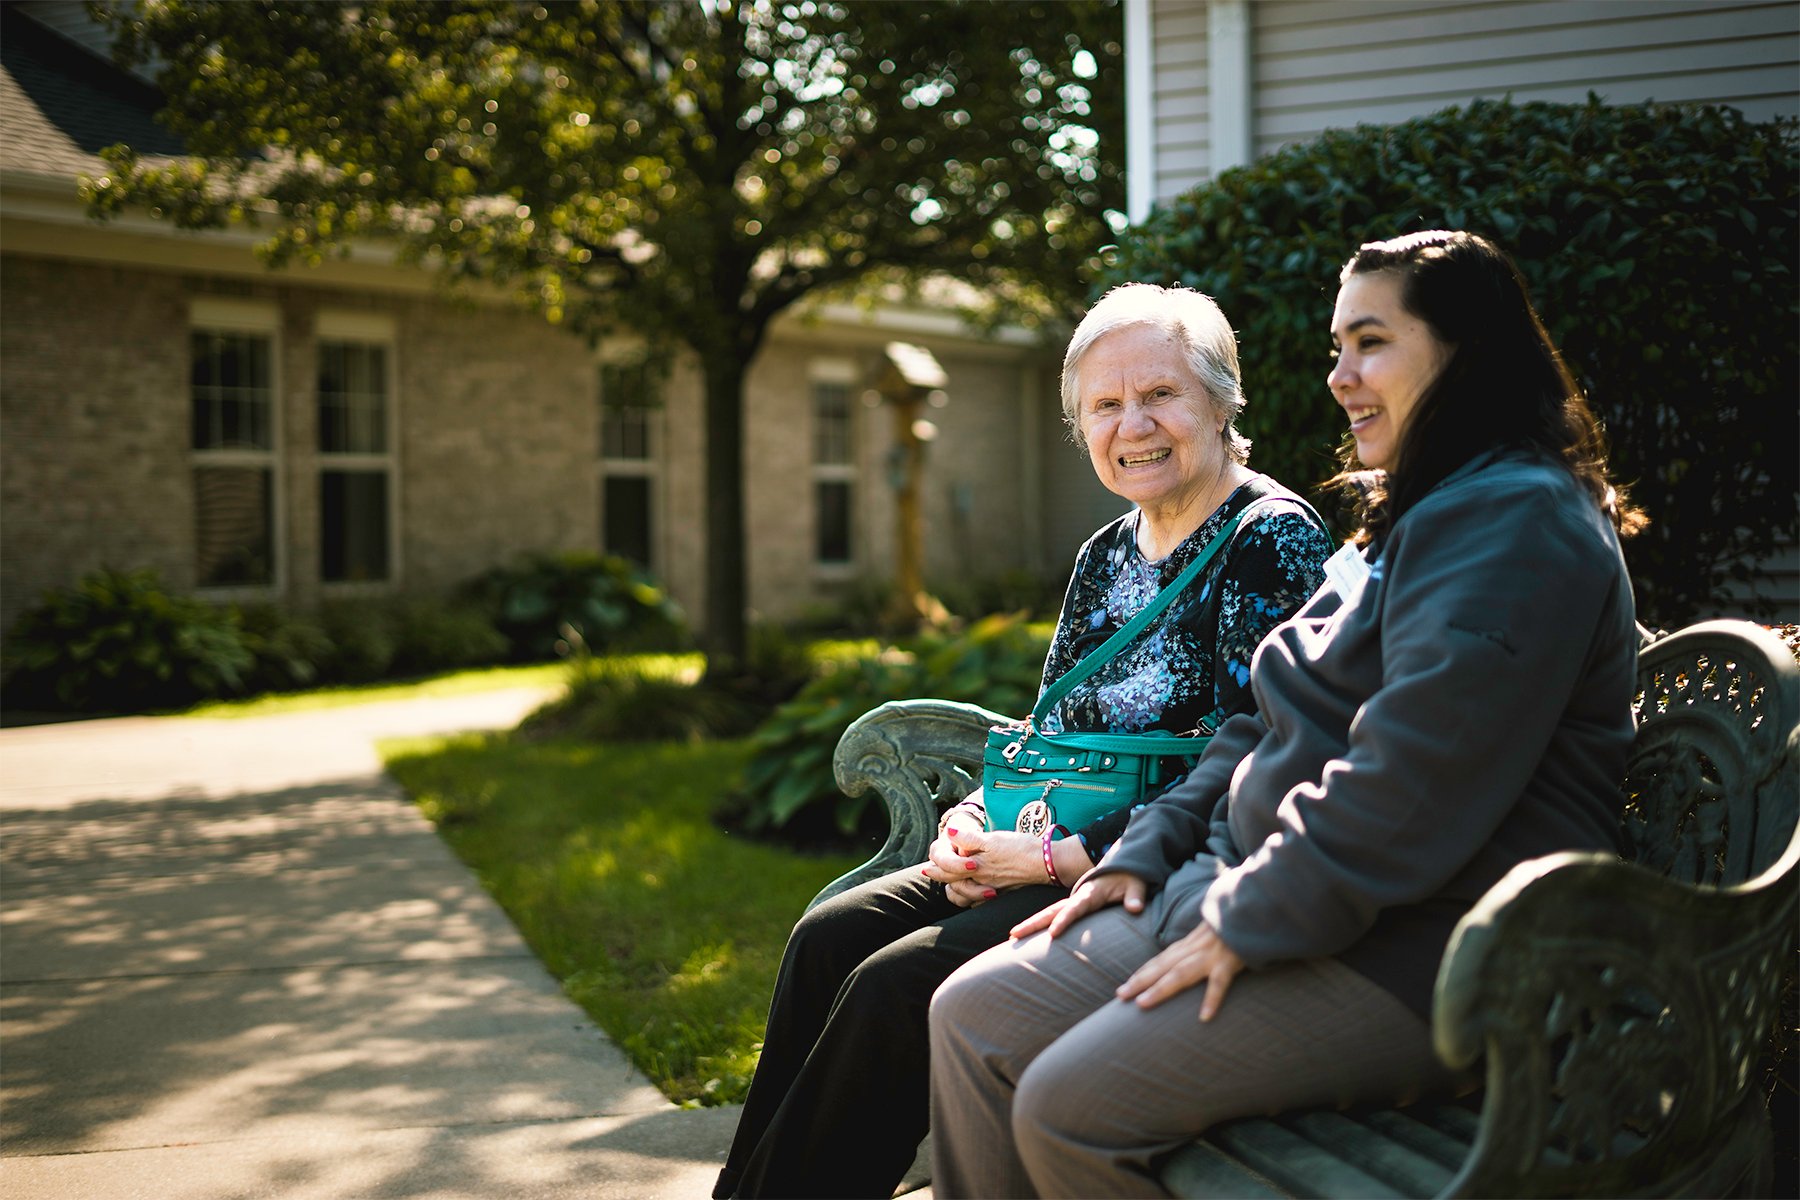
912, 375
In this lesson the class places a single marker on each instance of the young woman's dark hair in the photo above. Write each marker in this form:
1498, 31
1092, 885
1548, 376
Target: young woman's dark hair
1504, 385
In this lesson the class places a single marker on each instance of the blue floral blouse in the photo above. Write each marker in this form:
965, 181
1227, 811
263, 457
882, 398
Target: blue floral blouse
1191, 669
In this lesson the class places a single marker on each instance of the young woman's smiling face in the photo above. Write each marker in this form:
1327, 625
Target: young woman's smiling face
1386, 359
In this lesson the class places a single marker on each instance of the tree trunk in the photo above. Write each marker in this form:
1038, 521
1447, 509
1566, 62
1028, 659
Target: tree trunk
726, 635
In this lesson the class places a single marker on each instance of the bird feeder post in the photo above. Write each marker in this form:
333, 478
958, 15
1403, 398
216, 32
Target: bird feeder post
910, 380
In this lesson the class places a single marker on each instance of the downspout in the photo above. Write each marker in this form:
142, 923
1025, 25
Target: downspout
1229, 97
1140, 117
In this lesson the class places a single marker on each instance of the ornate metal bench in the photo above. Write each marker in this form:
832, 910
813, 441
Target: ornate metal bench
1621, 1006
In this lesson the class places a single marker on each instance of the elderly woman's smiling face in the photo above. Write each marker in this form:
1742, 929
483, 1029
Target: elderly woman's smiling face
1151, 431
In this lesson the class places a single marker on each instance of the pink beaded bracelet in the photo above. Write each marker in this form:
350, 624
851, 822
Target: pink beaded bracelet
1049, 859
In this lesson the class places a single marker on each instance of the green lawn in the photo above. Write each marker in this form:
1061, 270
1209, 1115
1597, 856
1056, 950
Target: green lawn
664, 928
453, 683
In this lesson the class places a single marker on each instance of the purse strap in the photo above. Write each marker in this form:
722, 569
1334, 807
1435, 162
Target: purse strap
1129, 631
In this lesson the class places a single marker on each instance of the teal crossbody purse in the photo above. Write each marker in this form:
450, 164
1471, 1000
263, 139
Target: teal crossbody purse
1037, 782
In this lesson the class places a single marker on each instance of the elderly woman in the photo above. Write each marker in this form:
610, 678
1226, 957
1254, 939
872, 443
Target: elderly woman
1457, 700
1150, 386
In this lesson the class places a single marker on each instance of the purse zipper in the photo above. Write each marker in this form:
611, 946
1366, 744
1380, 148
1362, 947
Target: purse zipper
1004, 784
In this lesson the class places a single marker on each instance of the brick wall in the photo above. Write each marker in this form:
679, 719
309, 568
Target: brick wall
500, 432
93, 427
497, 442
496, 430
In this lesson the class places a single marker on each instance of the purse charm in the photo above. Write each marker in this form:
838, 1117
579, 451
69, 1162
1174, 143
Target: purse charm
1037, 817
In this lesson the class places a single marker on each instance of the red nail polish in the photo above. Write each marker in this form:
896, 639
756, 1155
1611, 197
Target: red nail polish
989, 894
970, 866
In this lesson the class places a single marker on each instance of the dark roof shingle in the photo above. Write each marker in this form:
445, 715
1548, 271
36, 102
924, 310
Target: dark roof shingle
60, 105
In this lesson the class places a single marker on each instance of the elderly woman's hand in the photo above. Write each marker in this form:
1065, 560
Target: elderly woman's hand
956, 871
999, 859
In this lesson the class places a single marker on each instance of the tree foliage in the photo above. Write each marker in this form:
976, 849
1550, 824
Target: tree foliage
1659, 243
686, 169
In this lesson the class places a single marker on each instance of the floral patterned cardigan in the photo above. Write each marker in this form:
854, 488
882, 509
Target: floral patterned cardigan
1191, 669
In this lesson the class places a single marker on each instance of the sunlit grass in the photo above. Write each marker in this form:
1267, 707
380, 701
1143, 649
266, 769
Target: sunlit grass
667, 930
827, 650
454, 683
684, 667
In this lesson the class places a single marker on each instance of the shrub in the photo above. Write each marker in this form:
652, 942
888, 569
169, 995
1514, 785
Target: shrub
997, 663
434, 635
287, 649
120, 641
659, 698
775, 668
384, 637
1659, 243
612, 700
859, 606
1015, 590
556, 604
362, 642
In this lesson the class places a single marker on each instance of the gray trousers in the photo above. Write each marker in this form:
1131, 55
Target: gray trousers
1045, 1084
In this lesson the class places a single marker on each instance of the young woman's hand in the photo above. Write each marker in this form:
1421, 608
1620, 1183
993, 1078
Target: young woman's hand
1201, 955
1090, 895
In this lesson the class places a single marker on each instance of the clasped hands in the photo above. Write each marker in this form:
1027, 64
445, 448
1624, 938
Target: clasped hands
976, 864
1201, 955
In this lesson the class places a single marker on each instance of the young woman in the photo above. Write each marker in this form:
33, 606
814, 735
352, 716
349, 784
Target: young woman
1455, 701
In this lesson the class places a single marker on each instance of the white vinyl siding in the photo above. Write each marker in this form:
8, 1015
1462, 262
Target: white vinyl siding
1319, 64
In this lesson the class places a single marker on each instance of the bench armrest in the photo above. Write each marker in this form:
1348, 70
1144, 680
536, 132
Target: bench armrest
1621, 1016
920, 757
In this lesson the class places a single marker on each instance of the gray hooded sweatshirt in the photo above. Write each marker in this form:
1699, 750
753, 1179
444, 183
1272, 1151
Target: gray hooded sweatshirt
1463, 706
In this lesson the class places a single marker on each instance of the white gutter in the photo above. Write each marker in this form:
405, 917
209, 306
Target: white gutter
1229, 93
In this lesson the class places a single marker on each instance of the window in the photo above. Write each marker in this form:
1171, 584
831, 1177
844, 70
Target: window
626, 504
834, 464
233, 438
353, 526
356, 450
630, 401
832, 498
831, 423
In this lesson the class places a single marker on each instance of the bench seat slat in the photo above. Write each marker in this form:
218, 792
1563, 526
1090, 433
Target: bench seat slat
1373, 1151
1202, 1169
1300, 1166
1405, 1126
1453, 1120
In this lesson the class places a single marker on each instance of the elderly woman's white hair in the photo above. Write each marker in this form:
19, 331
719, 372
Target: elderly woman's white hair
1197, 326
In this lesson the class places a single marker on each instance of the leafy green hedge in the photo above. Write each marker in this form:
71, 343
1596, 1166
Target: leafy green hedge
551, 605
1660, 244
997, 662
122, 641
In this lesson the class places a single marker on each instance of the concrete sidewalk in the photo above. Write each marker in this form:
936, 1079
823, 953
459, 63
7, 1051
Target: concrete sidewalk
237, 963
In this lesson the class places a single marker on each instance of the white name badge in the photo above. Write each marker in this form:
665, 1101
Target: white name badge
1347, 571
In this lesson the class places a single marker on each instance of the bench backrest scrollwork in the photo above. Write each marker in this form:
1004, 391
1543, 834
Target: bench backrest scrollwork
1711, 792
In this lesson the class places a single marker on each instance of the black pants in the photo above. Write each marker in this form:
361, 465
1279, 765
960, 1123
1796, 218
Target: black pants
838, 1105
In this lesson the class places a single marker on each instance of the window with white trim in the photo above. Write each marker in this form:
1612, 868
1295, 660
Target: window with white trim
356, 432
630, 412
235, 444
834, 463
